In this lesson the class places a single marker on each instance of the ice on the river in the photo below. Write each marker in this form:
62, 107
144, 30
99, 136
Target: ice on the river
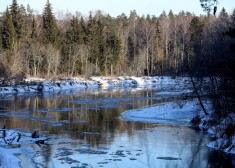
176, 113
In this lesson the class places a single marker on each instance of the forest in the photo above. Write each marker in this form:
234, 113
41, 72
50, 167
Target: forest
43, 45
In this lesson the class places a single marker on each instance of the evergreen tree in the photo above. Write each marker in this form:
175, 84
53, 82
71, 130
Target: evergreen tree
17, 18
73, 34
158, 50
8, 31
223, 14
33, 34
96, 42
100, 45
196, 31
82, 32
113, 43
92, 38
130, 44
196, 34
0, 37
50, 28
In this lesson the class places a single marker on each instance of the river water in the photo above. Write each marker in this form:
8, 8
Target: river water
84, 128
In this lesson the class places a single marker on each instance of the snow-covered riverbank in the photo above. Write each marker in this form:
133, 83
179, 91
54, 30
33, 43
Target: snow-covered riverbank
222, 132
175, 113
42, 85
182, 112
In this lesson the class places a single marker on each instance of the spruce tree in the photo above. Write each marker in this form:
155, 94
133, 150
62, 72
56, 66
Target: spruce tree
33, 34
82, 32
158, 50
196, 31
196, 59
96, 42
100, 44
8, 31
113, 43
92, 40
73, 34
17, 18
50, 28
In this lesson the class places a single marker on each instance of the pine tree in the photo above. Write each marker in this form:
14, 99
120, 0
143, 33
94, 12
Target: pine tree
50, 28
8, 31
17, 18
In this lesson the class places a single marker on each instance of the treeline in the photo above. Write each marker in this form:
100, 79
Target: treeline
171, 44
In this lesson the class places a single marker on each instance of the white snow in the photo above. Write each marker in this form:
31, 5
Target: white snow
10, 152
176, 113
8, 158
222, 141
38, 84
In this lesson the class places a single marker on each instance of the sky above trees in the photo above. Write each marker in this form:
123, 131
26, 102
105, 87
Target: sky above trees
115, 8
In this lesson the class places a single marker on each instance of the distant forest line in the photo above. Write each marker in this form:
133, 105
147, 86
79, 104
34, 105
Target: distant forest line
41, 45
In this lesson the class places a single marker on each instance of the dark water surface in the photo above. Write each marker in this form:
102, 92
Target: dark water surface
84, 129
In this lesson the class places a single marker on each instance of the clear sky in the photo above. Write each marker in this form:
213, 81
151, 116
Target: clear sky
116, 7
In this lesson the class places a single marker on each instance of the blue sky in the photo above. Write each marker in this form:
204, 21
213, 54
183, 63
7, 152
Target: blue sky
116, 7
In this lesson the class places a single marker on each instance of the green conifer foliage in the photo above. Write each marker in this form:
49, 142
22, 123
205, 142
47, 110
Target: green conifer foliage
73, 34
158, 49
82, 32
50, 28
196, 34
99, 44
113, 43
34, 35
0, 37
8, 31
17, 18
196, 31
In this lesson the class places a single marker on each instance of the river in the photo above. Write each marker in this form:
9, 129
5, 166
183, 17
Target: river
84, 128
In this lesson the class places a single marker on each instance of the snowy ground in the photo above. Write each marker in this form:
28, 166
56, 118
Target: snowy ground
41, 85
10, 149
223, 132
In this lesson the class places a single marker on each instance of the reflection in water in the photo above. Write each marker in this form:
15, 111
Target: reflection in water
89, 131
